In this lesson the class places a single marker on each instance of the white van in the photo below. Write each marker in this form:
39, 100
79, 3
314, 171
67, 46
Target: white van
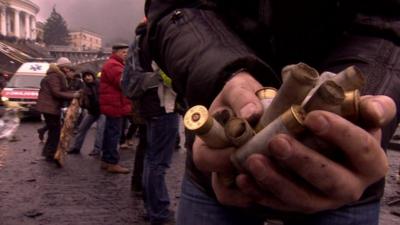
24, 86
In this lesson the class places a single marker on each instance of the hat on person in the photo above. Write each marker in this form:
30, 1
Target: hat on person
88, 72
119, 46
64, 62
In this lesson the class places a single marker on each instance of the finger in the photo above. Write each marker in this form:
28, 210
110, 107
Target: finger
239, 94
249, 187
361, 149
322, 173
377, 111
211, 160
287, 189
244, 103
229, 196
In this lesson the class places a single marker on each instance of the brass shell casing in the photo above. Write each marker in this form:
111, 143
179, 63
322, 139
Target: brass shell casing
293, 119
298, 79
198, 120
266, 93
291, 122
350, 107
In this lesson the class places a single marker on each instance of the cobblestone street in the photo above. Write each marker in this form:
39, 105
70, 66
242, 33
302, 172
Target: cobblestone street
32, 192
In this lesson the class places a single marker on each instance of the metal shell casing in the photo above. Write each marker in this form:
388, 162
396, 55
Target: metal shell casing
350, 79
298, 79
238, 131
350, 108
290, 122
199, 120
329, 96
266, 95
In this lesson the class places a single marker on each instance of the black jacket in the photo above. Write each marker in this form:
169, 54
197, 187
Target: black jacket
202, 42
90, 98
261, 36
142, 81
90, 94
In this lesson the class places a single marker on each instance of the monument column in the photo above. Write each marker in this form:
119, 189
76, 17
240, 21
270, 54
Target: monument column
17, 22
33, 28
27, 27
3, 21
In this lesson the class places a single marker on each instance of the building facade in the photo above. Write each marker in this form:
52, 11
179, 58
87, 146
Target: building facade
85, 40
18, 19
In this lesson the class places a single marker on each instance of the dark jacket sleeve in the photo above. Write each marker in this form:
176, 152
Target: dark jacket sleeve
138, 75
198, 50
56, 84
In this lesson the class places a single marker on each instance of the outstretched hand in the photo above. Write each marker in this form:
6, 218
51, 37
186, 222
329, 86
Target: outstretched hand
324, 184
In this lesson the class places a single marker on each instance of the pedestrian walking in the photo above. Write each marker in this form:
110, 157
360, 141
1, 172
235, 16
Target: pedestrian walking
90, 102
52, 94
114, 105
219, 53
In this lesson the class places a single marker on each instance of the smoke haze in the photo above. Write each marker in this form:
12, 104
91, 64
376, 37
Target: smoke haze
115, 20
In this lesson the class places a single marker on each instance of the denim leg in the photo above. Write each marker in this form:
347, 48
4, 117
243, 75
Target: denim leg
122, 139
197, 208
365, 214
161, 135
98, 143
83, 128
112, 134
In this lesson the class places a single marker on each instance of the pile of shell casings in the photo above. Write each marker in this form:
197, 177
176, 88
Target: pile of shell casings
303, 90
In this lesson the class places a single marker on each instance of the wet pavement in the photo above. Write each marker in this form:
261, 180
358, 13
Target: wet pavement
33, 192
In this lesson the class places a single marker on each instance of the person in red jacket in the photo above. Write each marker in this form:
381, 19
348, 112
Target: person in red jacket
114, 106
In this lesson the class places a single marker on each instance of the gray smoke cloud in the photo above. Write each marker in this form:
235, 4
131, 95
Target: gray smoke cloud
114, 19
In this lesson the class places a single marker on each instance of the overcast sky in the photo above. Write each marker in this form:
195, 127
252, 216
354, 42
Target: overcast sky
114, 19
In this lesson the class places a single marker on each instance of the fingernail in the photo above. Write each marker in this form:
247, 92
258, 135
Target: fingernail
248, 110
378, 108
318, 124
280, 148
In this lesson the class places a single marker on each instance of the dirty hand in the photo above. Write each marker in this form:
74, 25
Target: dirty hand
329, 184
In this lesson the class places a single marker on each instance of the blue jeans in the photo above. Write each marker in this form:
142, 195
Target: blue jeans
161, 135
83, 128
198, 208
112, 133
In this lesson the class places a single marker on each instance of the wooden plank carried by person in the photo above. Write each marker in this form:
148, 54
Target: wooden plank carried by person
67, 132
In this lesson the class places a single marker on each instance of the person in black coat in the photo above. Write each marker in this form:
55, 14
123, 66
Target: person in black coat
220, 52
90, 102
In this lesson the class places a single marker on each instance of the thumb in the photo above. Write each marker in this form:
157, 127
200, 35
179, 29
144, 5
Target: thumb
239, 95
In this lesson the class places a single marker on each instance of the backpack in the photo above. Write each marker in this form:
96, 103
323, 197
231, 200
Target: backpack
135, 80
